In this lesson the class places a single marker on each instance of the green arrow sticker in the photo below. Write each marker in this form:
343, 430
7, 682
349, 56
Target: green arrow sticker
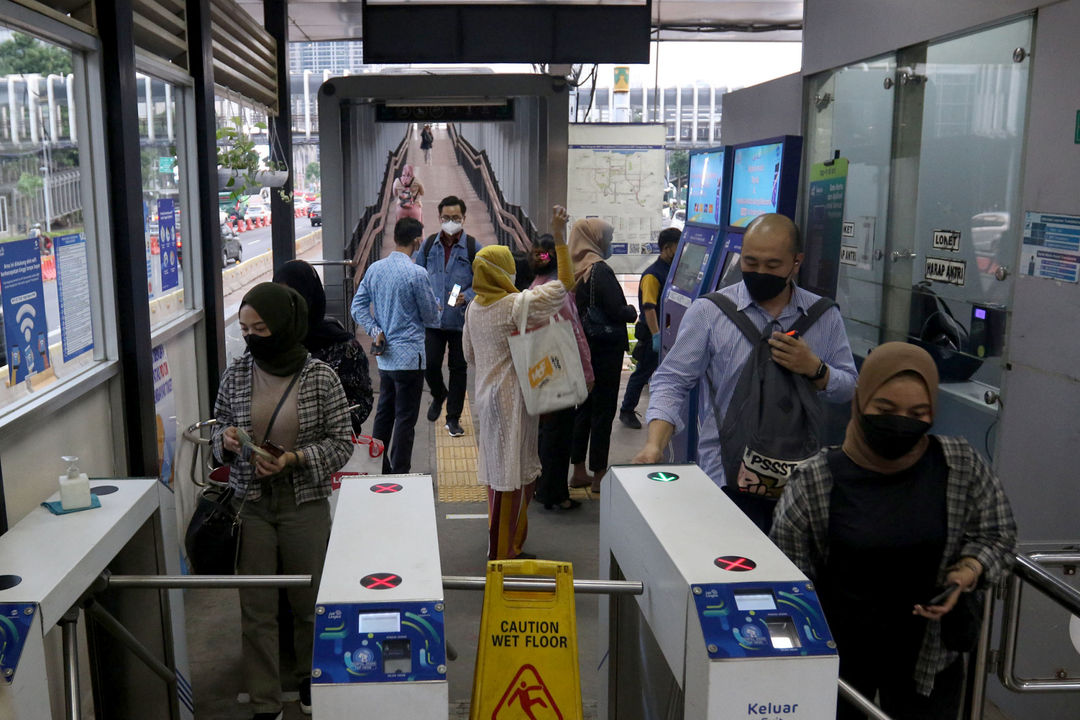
663, 476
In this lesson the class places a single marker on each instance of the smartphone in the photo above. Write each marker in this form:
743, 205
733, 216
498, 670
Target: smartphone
941, 596
273, 448
378, 348
454, 291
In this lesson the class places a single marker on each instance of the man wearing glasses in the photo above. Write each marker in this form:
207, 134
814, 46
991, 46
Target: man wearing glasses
448, 256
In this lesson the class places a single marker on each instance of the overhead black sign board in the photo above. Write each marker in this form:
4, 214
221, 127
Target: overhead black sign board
444, 113
519, 32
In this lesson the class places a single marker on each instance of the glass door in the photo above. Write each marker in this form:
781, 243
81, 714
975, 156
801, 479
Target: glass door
851, 113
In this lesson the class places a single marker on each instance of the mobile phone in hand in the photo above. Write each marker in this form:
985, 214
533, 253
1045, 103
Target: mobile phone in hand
941, 596
454, 291
273, 448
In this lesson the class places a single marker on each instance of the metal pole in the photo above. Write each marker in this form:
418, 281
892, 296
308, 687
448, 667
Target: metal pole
584, 587
69, 627
982, 652
1057, 590
852, 695
115, 628
207, 581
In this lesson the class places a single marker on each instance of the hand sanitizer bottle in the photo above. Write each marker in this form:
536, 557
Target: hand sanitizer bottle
74, 487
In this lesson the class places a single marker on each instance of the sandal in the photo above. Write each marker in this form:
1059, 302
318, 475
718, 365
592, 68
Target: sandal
576, 483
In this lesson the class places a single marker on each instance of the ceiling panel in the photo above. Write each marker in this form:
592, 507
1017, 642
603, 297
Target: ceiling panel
315, 20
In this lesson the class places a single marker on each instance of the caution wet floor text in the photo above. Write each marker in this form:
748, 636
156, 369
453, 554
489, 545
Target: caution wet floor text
526, 659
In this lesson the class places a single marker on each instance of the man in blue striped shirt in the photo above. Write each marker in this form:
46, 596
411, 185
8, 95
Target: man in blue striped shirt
393, 304
710, 347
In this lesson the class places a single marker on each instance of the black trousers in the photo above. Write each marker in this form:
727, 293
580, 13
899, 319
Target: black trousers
592, 424
395, 419
647, 362
556, 434
436, 342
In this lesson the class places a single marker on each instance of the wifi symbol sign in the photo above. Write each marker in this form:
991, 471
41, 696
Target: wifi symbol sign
24, 316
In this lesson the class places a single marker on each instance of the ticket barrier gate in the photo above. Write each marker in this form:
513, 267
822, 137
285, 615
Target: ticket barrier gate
727, 626
52, 567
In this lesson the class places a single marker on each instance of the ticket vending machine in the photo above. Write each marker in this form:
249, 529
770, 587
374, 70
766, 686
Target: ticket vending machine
380, 646
727, 627
762, 177
695, 258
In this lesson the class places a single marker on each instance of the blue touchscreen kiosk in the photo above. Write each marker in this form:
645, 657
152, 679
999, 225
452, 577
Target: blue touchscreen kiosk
695, 258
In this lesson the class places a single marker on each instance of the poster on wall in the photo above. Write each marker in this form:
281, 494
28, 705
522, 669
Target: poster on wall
825, 227
617, 173
1051, 246
167, 254
165, 415
26, 328
73, 291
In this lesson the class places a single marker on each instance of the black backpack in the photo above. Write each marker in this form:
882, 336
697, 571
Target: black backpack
470, 247
773, 422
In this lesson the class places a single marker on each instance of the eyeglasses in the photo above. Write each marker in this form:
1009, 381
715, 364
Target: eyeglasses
451, 218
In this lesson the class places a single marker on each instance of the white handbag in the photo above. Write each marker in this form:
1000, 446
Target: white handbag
366, 460
547, 364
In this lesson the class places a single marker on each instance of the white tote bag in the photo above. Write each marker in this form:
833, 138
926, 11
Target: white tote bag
547, 364
366, 460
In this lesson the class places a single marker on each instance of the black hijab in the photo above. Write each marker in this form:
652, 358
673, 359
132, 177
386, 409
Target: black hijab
322, 331
285, 315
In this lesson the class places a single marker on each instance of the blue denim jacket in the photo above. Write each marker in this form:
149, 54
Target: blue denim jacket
443, 276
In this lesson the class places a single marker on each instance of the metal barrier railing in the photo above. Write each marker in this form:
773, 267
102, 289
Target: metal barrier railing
346, 288
509, 228
367, 238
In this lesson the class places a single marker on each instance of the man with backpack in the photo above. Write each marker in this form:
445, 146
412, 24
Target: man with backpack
767, 351
448, 257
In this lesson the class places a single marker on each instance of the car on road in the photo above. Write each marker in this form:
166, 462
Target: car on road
678, 220
315, 214
257, 211
231, 249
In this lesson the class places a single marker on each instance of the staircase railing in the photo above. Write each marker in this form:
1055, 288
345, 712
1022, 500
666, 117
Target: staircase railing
513, 227
366, 244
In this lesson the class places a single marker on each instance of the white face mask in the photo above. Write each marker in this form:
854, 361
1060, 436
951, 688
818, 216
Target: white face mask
451, 228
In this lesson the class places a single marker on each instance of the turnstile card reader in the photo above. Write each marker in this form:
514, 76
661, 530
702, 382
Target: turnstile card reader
729, 619
380, 645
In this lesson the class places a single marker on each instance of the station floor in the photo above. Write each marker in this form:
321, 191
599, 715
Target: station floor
213, 616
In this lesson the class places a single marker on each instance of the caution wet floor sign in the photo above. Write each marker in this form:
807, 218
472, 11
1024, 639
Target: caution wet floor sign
526, 659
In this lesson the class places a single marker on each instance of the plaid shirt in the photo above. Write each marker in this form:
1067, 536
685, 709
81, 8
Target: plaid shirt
324, 440
979, 525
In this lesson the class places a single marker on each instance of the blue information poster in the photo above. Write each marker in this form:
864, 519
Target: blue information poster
755, 182
25, 327
167, 244
73, 291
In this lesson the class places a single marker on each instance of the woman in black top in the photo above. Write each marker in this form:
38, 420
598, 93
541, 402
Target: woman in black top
590, 245
328, 341
883, 524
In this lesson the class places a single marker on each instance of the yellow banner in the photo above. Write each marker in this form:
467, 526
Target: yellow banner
527, 659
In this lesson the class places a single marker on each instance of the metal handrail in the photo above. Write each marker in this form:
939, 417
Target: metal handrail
860, 701
365, 248
1027, 568
504, 219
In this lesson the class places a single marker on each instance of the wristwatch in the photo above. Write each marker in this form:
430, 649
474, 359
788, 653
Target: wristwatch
821, 371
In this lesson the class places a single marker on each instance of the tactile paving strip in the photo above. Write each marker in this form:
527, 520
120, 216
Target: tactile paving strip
456, 461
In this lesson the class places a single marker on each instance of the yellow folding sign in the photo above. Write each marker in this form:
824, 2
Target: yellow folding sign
527, 659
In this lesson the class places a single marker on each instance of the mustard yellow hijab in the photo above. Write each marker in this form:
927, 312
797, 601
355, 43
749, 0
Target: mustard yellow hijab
493, 273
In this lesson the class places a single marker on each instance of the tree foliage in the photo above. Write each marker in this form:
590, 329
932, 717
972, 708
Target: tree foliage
25, 54
678, 164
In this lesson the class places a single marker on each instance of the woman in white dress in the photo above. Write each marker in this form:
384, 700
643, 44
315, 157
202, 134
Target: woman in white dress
509, 463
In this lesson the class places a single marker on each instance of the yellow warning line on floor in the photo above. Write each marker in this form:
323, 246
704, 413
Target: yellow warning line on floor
455, 460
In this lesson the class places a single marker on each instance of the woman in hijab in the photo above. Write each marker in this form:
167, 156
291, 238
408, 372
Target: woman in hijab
886, 523
590, 245
283, 428
557, 428
408, 190
508, 462
328, 341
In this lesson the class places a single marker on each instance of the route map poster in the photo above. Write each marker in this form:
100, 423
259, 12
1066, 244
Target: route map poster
617, 172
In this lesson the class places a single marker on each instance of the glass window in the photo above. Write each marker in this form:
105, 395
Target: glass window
163, 176
48, 272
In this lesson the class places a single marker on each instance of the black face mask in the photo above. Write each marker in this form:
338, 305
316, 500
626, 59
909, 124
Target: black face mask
892, 436
764, 286
263, 348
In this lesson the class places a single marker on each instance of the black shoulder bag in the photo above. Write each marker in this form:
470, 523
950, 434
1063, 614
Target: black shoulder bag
595, 321
212, 540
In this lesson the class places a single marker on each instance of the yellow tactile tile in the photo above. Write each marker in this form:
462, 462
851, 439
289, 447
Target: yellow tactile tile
456, 462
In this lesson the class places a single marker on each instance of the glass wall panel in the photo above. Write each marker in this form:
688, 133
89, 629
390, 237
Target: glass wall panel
48, 268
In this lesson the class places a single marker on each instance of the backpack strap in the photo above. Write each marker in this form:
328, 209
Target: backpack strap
744, 323
427, 248
822, 306
470, 246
